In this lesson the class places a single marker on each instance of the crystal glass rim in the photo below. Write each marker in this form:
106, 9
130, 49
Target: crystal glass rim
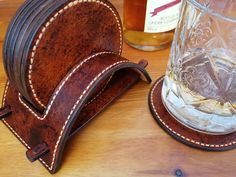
211, 12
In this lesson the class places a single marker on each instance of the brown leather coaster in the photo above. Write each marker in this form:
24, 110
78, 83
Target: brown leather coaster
76, 101
184, 134
47, 42
64, 67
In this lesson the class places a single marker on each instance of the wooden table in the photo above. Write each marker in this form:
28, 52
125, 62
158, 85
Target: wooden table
123, 141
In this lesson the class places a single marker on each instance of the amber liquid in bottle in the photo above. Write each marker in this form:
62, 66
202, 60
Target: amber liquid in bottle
134, 24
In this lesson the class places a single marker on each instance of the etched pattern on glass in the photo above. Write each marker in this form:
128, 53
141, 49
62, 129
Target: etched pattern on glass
201, 33
200, 83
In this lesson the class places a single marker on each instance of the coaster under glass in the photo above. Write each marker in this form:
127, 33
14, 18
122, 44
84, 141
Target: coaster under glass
183, 133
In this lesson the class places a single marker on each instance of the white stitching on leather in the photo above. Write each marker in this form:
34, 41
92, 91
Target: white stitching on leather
60, 87
152, 103
5, 93
13, 131
183, 137
71, 4
4, 100
77, 102
69, 116
16, 134
31, 67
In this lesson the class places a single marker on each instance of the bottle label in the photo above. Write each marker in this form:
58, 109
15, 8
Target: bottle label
161, 15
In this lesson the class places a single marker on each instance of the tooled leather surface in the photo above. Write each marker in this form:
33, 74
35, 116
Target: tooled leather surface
182, 133
55, 128
74, 34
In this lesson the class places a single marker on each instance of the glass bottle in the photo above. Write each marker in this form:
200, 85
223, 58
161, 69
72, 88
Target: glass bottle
149, 24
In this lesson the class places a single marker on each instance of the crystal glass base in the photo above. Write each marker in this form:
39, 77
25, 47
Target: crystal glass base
192, 116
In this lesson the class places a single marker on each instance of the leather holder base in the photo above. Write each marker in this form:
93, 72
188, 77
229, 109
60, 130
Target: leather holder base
78, 99
184, 134
63, 63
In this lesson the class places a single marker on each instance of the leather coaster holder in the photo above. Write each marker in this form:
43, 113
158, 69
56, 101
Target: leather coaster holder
182, 133
68, 70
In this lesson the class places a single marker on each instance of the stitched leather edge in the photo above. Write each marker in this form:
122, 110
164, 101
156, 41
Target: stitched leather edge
78, 66
47, 24
50, 168
78, 101
177, 134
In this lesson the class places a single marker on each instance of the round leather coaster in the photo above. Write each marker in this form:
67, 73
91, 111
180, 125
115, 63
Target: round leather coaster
184, 134
57, 36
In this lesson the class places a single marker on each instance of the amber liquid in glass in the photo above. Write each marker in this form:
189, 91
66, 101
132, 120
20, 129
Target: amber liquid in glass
134, 22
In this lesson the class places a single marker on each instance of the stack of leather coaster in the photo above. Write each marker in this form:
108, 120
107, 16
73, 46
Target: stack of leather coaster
63, 62
47, 37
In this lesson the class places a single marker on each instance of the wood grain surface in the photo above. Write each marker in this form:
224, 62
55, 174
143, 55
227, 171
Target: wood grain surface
124, 141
